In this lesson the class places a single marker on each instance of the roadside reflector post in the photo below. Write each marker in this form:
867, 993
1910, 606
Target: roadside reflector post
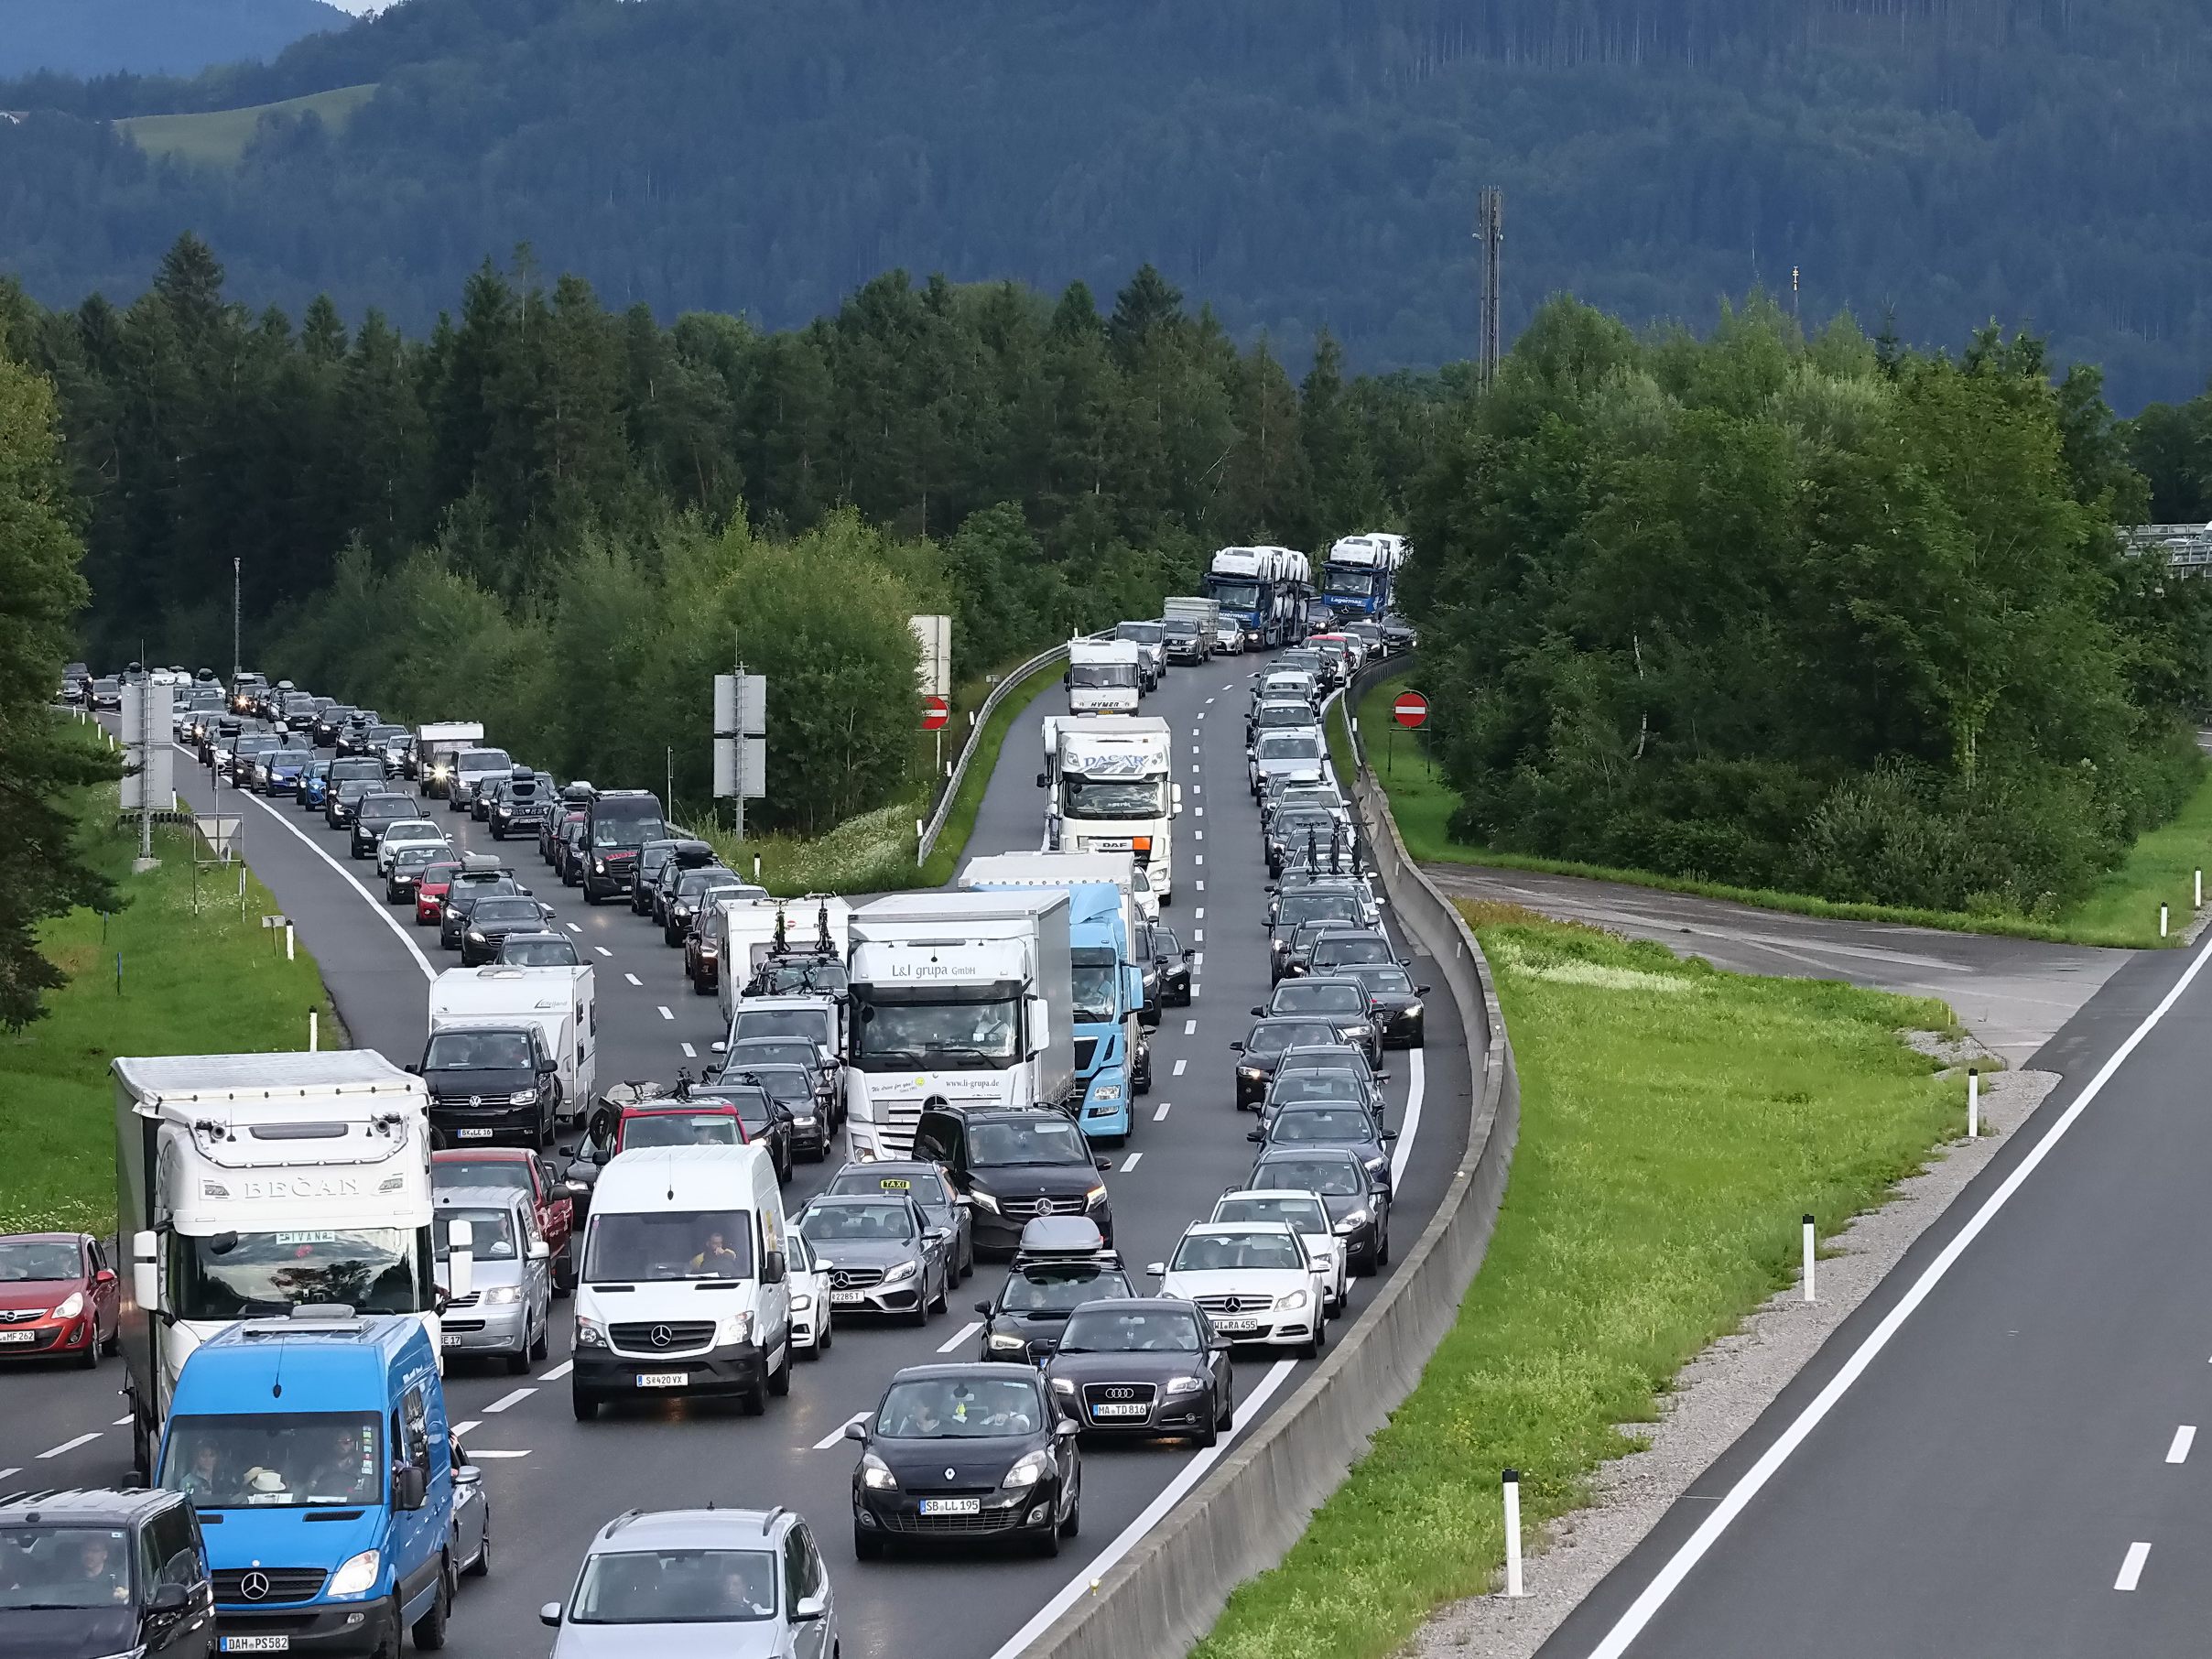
288, 941
1808, 1258
1513, 1534
2162, 921
2196, 900
314, 1030
756, 869
1973, 1104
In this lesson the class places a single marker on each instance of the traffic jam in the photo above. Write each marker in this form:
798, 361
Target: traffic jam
322, 1258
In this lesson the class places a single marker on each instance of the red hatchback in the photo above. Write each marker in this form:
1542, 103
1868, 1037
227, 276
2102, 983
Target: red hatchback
431, 889
526, 1171
58, 1296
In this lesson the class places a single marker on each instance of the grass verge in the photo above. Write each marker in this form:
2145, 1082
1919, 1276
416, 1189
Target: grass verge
1676, 1124
2121, 911
219, 137
959, 823
871, 853
216, 981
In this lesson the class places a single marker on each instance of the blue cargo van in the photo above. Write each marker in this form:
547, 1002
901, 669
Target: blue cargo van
316, 1450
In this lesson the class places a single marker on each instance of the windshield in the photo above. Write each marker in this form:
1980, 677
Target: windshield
1058, 1291
960, 1408
1291, 1086
676, 1587
750, 1105
1289, 746
1143, 633
1341, 1127
627, 821
505, 912
1103, 1330
1386, 979
538, 953
501, 1173
831, 1223
1275, 1038
1306, 998
1356, 583
681, 1129
491, 1233
1235, 595
1113, 798
483, 760
280, 1459
1095, 984
1229, 1251
22, 1259
240, 1275
792, 978
925, 1187
1332, 951
1102, 674
812, 1024
63, 1567
1299, 908
952, 1033
1303, 1214
669, 1244
478, 1050
771, 1051
1335, 1177
1014, 1141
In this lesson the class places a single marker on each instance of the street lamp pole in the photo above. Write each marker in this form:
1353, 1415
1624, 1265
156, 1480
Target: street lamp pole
237, 660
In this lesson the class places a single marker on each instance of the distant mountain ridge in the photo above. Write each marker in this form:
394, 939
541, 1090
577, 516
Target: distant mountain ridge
93, 38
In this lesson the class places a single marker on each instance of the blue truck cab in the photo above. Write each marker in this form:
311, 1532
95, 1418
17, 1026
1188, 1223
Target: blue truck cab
1109, 996
316, 1451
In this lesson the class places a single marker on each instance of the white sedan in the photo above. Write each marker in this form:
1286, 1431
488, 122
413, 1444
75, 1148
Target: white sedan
1309, 1215
809, 1297
1254, 1280
407, 832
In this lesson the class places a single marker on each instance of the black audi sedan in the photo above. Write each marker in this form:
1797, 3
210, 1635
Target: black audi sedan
1144, 1366
1399, 1013
966, 1454
1263, 1045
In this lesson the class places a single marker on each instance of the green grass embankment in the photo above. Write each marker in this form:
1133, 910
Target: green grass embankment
2123, 910
212, 982
1676, 1124
219, 137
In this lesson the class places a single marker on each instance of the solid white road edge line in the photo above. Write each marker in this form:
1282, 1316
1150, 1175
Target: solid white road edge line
1416, 1085
384, 913
1670, 1576
1188, 1476
478, 1451
952, 1342
826, 1441
2130, 1569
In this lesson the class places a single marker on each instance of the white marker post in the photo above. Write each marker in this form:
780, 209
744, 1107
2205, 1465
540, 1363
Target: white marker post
1808, 1258
1973, 1104
2162, 921
1513, 1534
2197, 901
288, 941
314, 1029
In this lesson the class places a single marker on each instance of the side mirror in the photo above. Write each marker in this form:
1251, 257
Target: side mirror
106, 1275
461, 1262
1420, 990
410, 1486
1103, 1164
1238, 1046
1390, 1134
1158, 1270
772, 1267
718, 1047
984, 1309
1256, 1137
857, 1430
145, 1271
1044, 780
549, 1614
1258, 1013
1190, 955
1040, 1023
807, 1609
415, 1071
1064, 1429
540, 1250
467, 1474
168, 1601
936, 1235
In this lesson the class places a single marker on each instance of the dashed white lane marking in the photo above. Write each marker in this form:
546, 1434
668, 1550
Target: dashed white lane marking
1199, 858
828, 1440
1181, 1065
1201, 812
1159, 1112
1227, 685
517, 1398
1210, 702
477, 1451
1198, 914
1198, 936
1195, 989
574, 928
1198, 959
1190, 1028
2178, 1452
2130, 1567
634, 980
1194, 766
70, 1445
5, 1473
665, 1012
602, 951
462, 1428
1202, 886
119, 1422
953, 1341
558, 1371
689, 1053
1200, 833
1130, 1162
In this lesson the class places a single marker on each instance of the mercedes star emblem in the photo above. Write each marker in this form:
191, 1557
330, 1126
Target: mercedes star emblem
253, 1586
662, 1336
1043, 1207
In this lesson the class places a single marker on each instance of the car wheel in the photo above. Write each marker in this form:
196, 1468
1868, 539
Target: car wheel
114, 1345
519, 1361
1210, 1434
1315, 1343
429, 1631
1382, 1248
944, 1287
481, 1567
584, 1406
564, 1270
920, 1316
544, 1345
90, 1359
1048, 1544
824, 1333
1073, 1524
387, 1647
779, 1380
866, 1546
702, 986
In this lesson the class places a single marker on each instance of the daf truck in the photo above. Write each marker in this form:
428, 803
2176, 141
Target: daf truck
1113, 790
247, 1185
1104, 676
961, 999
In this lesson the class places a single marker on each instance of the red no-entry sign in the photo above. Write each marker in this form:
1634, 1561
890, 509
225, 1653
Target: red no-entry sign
935, 711
1410, 710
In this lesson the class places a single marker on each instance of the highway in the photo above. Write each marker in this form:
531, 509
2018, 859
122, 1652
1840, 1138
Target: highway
1998, 1454
553, 1481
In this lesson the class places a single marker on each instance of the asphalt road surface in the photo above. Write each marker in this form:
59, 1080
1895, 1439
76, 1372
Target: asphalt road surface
553, 1481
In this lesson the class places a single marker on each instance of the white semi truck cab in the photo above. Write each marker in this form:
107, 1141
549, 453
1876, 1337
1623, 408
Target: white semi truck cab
959, 998
247, 1185
1113, 790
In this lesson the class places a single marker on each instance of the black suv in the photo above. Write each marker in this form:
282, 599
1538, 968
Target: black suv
104, 1572
1023, 1321
515, 805
1015, 1163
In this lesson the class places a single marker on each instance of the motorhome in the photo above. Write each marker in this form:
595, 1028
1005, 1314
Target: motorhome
1104, 676
437, 748
1113, 790
560, 1003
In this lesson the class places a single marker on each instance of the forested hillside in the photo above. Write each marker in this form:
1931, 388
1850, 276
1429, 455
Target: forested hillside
95, 37
1294, 164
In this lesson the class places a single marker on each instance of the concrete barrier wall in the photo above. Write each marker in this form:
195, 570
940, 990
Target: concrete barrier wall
1244, 1516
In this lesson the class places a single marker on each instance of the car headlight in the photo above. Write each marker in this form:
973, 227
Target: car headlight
72, 1307
1352, 1219
680, 912
477, 934
1351, 1034
598, 866
875, 1474
1185, 1385
502, 1295
522, 1097
1095, 1197
1413, 1008
589, 1333
1106, 1092
985, 1201
1062, 1385
802, 1119
1252, 1074
1028, 1470
902, 1273
358, 1576
999, 1342
1293, 1302
734, 1328
801, 1302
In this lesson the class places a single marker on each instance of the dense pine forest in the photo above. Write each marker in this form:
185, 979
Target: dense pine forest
1297, 164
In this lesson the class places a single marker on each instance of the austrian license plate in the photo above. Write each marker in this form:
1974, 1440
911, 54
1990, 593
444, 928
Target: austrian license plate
254, 1644
662, 1379
18, 1336
1236, 1325
846, 1299
1117, 1411
472, 1134
952, 1506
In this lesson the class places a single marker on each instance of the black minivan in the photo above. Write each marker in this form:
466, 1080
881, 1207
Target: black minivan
104, 1572
1015, 1163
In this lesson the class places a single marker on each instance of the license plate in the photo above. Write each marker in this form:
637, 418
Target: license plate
952, 1506
472, 1134
1236, 1325
663, 1378
1117, 1411
18, 1336
846, 1299
254, 1644
448, 1340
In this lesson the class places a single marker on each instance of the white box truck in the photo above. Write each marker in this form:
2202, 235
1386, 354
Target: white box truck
1113, 790
560, 1003
1104, 676
250, 1184
961, 997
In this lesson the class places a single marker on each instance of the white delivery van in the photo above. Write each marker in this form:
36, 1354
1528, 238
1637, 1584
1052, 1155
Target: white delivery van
685, 1288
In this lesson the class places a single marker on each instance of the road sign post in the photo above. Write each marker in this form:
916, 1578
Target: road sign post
935, 711
1409, 711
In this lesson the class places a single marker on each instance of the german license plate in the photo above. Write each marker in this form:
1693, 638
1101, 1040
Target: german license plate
472, 1134
448, 1339
18, 1336
662, 1379
952, 1506
254, 1644
846, 1298
1236, 1325
1117, 1411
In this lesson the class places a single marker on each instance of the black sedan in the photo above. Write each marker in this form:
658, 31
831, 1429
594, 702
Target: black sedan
696, 890
797, 1095
926, 1184
405, 874
969, 1452
1144, 1366
766, 1121
1359, 1208
1291, 954
1400, 1014
1025, 1321
881, 1253
1342, 999
492, 919
372, 815
1174, 962
1343, 1126
460, 896
1263, 1045
1334, 952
